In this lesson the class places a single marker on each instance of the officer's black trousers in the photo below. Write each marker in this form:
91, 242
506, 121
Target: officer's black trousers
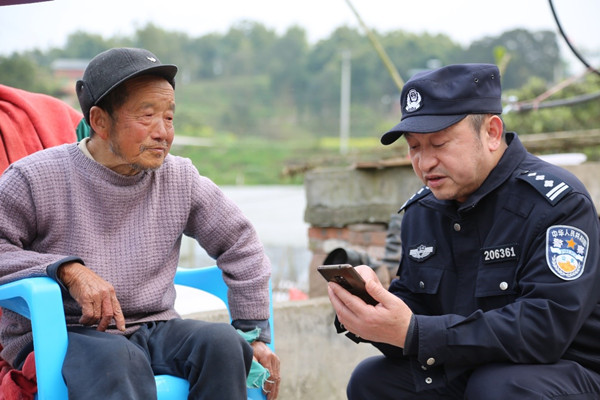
213, 357
383, 378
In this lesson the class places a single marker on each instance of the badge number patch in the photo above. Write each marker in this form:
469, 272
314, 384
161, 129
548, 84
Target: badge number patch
566, 251
501, 253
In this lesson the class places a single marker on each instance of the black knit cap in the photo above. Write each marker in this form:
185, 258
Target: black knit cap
434, 100
111, 68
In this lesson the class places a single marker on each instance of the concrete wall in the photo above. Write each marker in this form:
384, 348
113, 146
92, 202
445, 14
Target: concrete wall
316, 362
346, 196
341, 197
589, 174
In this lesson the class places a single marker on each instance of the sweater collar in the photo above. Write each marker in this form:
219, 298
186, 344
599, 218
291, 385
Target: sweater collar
96, 170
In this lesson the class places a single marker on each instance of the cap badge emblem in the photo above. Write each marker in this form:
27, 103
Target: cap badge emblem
151, 59
413, 101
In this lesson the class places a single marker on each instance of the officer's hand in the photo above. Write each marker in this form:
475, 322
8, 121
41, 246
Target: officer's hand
387, 322
270, 361
97, 298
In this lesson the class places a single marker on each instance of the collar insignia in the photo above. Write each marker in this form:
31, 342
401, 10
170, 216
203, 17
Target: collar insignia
420, 194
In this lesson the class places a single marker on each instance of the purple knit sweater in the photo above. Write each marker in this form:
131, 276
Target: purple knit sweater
58, 203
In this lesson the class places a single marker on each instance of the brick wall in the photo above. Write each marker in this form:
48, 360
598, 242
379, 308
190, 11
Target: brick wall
365, 238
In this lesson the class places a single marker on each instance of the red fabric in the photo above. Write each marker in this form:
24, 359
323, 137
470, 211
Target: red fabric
17, 385
32, 121
29, 122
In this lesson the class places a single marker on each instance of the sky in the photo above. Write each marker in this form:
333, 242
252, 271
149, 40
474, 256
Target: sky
47, 24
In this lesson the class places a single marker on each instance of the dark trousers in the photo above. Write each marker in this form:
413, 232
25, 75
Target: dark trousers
384, 378
213, 357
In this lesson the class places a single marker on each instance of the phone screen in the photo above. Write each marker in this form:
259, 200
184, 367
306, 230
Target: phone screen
346, 276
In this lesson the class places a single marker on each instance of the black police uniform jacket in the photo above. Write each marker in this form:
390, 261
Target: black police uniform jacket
510, 275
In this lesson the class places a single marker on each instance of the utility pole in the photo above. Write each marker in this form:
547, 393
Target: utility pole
379, 49
345, 102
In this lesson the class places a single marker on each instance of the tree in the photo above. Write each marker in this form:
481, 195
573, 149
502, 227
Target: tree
585, 115
21, 71
209, 56
245, 48
287, 70
168, 46
531, 54
84, 45
254, 81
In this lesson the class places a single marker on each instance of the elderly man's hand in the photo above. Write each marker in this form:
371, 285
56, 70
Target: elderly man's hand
97, 298
387, 322
270, 361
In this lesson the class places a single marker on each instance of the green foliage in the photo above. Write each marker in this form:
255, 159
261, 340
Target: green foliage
271, 85
270, 101
22, 71
249, 161
232, 160
567, 118
531, 54
82, 45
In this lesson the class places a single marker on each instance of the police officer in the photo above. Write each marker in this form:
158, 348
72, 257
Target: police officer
499, 281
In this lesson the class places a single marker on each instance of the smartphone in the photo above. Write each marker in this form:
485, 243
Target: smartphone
346, 276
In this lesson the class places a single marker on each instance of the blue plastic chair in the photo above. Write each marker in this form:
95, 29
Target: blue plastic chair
39, 299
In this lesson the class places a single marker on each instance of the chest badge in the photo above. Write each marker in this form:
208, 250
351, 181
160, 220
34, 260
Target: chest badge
421, 253
566, 251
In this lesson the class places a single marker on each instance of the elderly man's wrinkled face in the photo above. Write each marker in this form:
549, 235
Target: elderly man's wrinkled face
142, 129
453, 162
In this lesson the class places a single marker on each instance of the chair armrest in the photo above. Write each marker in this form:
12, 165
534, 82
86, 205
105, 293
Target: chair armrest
40, 300
210, 279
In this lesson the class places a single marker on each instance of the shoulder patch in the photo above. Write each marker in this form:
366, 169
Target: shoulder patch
424, 191
552, 188
566, 251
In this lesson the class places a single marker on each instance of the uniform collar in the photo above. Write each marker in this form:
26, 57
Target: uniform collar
514, 154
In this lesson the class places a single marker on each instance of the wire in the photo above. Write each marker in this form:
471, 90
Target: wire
540, 101
521, 107
573, 49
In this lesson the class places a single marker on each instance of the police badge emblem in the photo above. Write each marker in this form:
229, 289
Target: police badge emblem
421, 252
566, 251
413, 100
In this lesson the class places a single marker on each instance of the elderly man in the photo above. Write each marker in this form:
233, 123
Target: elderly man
499, 283
105, 218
